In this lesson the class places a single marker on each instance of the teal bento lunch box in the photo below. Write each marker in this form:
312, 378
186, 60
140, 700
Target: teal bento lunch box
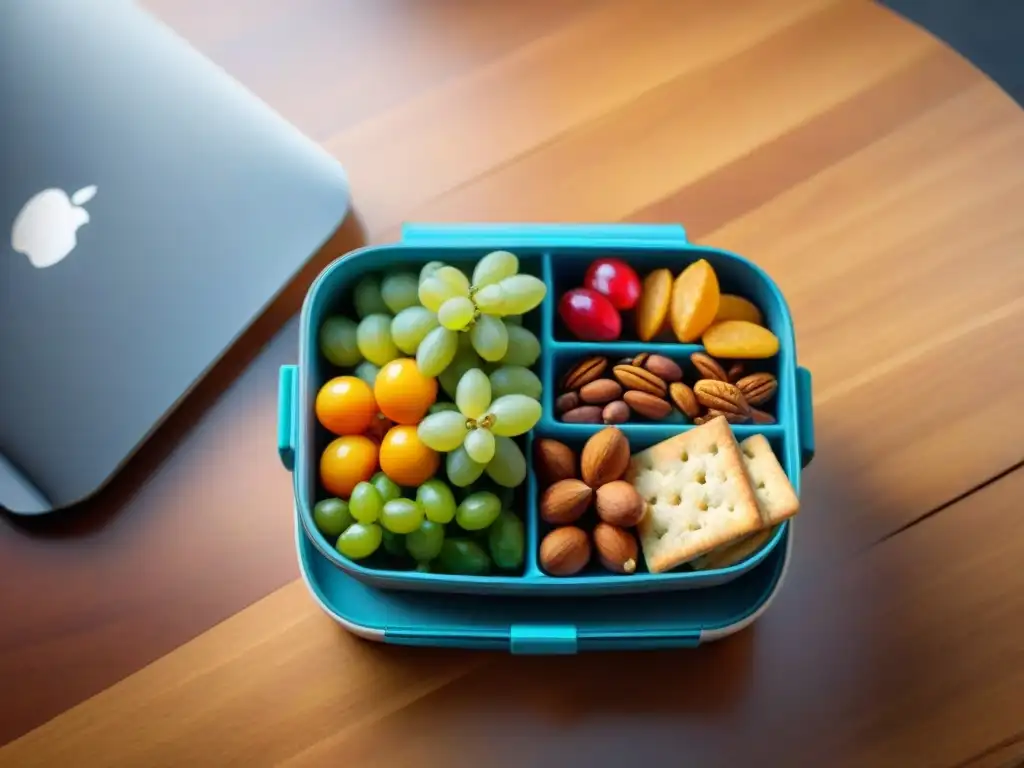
559, 254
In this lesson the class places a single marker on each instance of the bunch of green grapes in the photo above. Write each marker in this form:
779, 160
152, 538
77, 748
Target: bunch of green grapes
477, 434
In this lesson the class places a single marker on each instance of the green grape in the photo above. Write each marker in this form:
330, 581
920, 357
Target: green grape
386, 487
490, 338
477, 511
443, 431
464, 557
464, 359
515, 380
523, 347
367, 298
513, 319
400, 291
401, 516
424, 568
365, 503
508, 467
456, 313
461, 469
506, 540
479, 445
374, 338
338, 342
454, 278
436, 351
424, 544
332, 516
359, 540
394, 544
442, 407
490, 300
466, 344
522, 293
473, 394
429, 269
437, 501
506, 494
495, 266
367, 371
514, 415
410, 326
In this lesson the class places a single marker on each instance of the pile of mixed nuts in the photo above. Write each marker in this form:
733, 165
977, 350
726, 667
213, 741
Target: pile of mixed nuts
652, 388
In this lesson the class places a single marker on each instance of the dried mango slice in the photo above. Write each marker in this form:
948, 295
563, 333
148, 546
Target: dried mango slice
732, 307
652, 308
694, 301
740, 339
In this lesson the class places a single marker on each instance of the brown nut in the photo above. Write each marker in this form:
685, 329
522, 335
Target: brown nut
619, 503
605, 457
647, 405
616, 548
565, 551
732, 418
708, 367
553, 461
616, 412
735, 372
584, 372
600, 391
639, 360
758, 388
631, 377
684, 399
565, 502
761, 417
722, 396
567, 402
663, 368
585, 414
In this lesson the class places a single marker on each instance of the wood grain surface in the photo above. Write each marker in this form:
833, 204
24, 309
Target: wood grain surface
873, 173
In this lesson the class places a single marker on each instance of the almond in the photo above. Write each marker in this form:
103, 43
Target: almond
758, 388
619, 503
616, 548
684, 399
761, 417
665, 369
647, 405
605, 457
616, 412
722, 396
565, 551
567, 402
565, 502
708, 367
584, 372
585, 414
600, 391
632, 377
553, 461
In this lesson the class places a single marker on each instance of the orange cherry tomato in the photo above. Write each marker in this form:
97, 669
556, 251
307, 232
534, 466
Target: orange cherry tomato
346, 462
405, 459
345, 405
404, 394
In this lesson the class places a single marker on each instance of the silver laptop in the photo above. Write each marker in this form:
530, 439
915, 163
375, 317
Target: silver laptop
150, 209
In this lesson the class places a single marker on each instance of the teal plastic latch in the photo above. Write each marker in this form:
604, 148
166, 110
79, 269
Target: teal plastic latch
287, 425
497, 234
805, 410
542, 639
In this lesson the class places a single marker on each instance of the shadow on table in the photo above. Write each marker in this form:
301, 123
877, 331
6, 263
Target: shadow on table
95, 513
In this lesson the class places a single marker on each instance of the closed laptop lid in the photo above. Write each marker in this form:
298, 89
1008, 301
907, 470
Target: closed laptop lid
150, 209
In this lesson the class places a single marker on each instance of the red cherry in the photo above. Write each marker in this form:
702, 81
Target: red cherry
589, 315
615, 279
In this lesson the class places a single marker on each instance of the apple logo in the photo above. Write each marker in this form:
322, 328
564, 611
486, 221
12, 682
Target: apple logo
46, 228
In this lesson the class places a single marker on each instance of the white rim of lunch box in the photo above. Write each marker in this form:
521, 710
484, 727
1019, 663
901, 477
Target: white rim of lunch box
380, 635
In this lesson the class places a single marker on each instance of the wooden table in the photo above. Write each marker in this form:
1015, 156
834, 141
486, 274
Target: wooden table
873, 173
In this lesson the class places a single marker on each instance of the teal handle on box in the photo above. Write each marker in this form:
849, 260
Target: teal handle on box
805, 411
287, 425
497, 234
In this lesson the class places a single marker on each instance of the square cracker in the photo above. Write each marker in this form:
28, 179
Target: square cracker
698, 495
